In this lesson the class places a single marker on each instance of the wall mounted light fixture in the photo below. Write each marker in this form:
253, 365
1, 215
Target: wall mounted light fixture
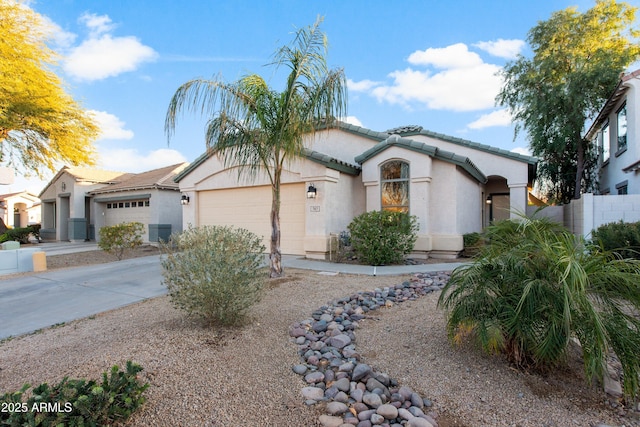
184, 200
311, 192
489, 200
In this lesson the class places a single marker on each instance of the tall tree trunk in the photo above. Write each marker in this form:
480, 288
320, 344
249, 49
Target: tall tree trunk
275, 256
579, 168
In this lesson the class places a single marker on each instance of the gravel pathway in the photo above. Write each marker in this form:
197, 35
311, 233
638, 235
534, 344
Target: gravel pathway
223, 377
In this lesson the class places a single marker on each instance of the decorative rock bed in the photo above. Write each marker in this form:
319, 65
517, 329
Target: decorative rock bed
355, 394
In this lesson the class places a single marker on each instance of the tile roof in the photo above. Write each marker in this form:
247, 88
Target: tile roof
403, 131
19, 193
161, 178
93, 175
420, 147
83, 174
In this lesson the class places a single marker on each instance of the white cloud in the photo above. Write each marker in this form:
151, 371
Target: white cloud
111, 126
501, 48
102, 55
131, 160
451, 78
454, 56
455, 89
495, 118
352, 120
362, 85
96, 24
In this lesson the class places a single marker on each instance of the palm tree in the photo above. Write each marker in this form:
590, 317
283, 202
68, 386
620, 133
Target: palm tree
260, 129
534, 287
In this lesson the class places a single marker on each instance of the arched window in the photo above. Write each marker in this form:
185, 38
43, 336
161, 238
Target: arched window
394, 183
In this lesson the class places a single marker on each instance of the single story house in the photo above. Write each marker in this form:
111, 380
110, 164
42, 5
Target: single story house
79, 201
152, 198
453, 186
20, 209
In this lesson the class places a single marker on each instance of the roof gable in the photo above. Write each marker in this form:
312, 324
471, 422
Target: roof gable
421, 147
81, 174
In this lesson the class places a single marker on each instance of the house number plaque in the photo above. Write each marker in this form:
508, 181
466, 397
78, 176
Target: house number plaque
314, 208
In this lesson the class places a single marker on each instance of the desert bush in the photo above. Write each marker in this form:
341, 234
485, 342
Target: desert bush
620, 237
117, 239
214, 272
21, 234
383, 237
76, 402
534, 286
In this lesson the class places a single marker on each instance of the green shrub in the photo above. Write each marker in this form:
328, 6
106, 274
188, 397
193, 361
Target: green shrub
620, 237
117, 239
21, 234
383, 237
472, 243
213, 272
76, 402
534, 286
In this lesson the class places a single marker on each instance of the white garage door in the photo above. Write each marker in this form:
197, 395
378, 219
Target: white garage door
250, 208
127, 211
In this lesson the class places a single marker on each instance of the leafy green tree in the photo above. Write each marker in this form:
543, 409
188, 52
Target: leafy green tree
576, 64
534, 286
258, 128
40, 124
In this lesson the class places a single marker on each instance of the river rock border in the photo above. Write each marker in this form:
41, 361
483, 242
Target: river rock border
355, 394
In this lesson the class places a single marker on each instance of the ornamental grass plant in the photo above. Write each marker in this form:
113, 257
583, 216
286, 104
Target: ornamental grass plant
534, 287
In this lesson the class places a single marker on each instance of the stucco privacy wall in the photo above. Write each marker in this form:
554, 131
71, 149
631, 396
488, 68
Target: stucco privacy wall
590, 212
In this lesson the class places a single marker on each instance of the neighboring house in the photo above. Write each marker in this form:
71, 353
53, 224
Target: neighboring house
20, 209
152, 198
78, 201
615, 133
453, 186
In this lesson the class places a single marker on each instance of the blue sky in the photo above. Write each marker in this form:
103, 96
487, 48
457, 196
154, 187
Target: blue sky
429, 63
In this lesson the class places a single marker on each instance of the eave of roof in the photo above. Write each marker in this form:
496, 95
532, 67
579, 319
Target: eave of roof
314, 156
156, 179
421, 147
331, 162
418, 130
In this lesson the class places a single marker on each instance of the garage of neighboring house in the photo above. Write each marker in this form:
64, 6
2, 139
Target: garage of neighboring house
250, 208
128, 209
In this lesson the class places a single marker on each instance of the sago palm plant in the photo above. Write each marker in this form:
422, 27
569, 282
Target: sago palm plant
535, 286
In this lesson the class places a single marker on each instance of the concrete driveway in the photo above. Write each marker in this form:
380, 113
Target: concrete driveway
39, 300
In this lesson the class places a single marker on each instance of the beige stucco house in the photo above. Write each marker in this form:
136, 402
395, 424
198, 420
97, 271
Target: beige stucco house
451, 185
20, 209
77, 202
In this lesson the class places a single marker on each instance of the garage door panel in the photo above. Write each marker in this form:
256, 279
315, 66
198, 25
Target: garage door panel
250, 208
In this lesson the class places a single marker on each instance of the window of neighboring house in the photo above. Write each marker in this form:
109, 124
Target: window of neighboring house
622, 187
394, 181
622, 128
606, 143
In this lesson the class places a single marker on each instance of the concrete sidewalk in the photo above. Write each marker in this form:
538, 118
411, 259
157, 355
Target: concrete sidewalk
38, 300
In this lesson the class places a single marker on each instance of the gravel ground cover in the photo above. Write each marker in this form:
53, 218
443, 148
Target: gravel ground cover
203, 376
